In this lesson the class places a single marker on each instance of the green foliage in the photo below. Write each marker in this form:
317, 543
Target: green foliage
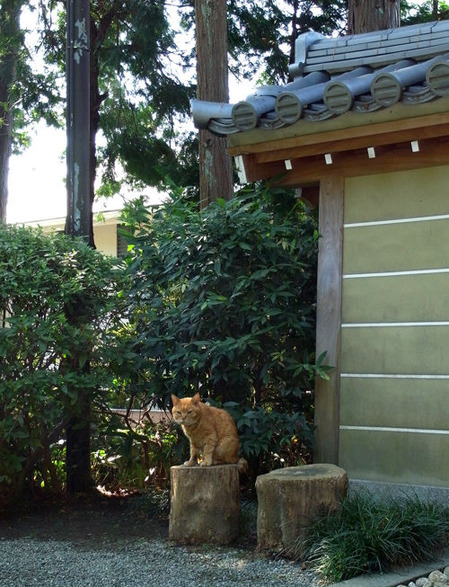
154, 502
262, 33
135, 457
367, 535
59, 309
414, 13
137, 98
223, 302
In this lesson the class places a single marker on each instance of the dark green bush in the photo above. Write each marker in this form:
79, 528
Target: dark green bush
59, 307
223, 301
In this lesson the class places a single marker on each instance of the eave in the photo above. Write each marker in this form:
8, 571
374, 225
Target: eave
401, 137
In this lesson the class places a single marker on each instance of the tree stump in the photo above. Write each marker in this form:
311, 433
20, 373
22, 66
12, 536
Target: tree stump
288, 500
205, 504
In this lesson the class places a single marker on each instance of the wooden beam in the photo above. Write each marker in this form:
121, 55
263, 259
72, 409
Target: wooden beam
329, 296
308, 170
348, 143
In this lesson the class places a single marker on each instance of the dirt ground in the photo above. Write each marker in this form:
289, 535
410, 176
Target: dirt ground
85, 519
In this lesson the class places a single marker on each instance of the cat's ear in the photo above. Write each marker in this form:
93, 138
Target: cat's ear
196, 398
174, 399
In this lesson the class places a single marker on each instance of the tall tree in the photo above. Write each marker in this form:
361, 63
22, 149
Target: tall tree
135, 94
126, 41
78, 224
373, 15
10, 41
215, 166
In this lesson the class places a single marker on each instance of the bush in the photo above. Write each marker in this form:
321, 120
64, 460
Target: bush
135, 457
223, 301
59, 310
367, 535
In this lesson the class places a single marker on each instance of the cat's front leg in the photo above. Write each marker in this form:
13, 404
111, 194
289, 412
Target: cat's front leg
194, 454
208, 454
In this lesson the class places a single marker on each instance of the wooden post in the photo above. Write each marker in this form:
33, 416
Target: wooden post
205, 504
329, 296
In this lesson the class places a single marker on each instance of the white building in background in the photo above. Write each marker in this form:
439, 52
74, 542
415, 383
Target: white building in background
107, 237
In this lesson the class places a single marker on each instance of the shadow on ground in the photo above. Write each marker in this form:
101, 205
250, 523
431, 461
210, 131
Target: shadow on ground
85, 519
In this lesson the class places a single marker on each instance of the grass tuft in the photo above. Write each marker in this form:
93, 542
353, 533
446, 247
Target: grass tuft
367, 535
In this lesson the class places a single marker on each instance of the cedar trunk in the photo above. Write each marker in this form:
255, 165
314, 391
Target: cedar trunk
212, 84
10, 33
79, 219
5, 146
365, 16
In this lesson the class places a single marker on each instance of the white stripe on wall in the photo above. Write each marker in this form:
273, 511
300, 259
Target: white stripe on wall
391, 376
396, 273
388, 429
393, 324
396, 221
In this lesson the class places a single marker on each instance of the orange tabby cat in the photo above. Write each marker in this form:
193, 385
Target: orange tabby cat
211, 432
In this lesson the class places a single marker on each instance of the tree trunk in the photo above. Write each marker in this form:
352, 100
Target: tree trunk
365, 16
79, 205
79, 217
434, 9
212, 84
5, 146
79, 478
9, 43
295, 32
289, 499
205, 504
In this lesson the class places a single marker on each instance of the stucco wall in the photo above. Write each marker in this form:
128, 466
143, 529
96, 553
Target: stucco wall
105, 236
394, 387
105, 232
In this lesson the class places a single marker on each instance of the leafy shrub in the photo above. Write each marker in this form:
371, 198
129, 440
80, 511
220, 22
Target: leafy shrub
368, 535
59, 306
135, 457
154, 502
223, 301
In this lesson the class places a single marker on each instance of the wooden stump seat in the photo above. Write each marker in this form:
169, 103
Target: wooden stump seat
289, 498
205, 504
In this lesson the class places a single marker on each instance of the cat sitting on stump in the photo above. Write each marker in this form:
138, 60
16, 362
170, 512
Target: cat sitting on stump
211, 431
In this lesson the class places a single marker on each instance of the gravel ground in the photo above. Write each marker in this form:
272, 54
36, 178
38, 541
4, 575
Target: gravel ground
27, 562
81, 546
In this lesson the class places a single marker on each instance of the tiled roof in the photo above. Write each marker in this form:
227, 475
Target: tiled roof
362, 73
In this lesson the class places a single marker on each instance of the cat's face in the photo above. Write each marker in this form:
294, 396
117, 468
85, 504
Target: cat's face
186, 411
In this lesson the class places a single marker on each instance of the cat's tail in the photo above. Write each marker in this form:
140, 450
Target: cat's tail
242, 466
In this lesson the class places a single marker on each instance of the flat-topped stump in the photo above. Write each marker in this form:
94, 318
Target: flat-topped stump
205, 504
289, 499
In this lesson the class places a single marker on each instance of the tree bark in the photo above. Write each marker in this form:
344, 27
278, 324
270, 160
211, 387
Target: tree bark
289, 499
365, 16
79, 479
205, 504
212, 84
9, 44
79, 217
434, 9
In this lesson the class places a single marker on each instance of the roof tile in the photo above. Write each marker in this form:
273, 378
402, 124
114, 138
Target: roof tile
333, 75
